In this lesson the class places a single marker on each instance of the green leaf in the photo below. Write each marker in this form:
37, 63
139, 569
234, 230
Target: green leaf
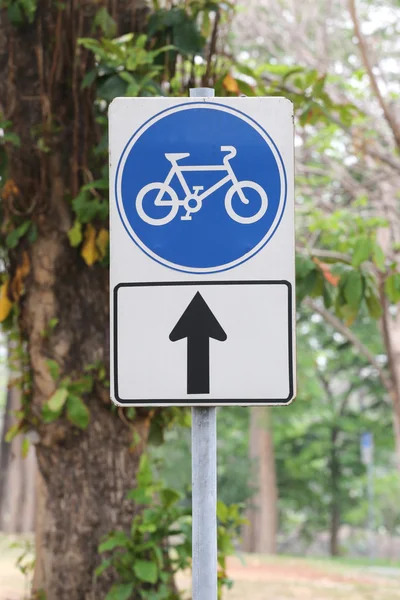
304, 265
15, 14
378, 256
169, 497
107, 24
111, 87
222, 511
146, 571
57, 400
14, 236
156, 433
75, 234
99, 184
89, 78
54, 368
33, 233
12, 432
88, 208
245, 88
353, 289
374, 306
106, 564
392, 287
187, 38
48, 415
77, 412
139, 495
362, 251
120, 591
12, 138
119, 539
25, 447
327, 296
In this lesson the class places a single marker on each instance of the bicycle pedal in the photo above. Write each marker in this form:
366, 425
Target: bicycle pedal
186, 218
198, 188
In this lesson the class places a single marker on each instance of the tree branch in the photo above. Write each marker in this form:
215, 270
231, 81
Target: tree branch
353, 339
327, 254
390, 118
374, 152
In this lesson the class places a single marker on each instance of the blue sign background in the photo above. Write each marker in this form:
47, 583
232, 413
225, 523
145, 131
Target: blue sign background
211, 239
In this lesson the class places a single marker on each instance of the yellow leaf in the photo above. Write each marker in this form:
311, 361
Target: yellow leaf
102, 242
89, 251
17, 284
9, 189
5, 304
230, 84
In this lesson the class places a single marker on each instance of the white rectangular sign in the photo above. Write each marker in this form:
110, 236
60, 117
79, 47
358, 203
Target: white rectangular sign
202, 251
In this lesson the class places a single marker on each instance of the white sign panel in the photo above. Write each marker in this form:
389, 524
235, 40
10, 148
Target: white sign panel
202, 251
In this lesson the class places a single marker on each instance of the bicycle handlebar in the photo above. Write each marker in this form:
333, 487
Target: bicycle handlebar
232, 152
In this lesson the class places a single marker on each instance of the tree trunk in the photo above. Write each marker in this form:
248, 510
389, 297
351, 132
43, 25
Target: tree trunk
85, 472
259, 535
389, 238
83, 484
335, 511
4, 456
17, 509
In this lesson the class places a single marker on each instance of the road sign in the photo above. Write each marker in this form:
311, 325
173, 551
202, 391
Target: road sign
367, 448
202, 251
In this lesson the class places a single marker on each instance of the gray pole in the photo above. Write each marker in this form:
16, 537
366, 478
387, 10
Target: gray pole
204, 485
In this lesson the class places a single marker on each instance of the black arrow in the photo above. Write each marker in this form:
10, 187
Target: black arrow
198, 325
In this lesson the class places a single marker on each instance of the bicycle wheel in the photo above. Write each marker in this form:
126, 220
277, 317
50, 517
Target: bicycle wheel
172, 203
242, 185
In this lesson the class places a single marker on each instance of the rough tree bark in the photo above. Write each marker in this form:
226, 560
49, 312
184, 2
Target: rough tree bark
84, 475
335, 496
259, 535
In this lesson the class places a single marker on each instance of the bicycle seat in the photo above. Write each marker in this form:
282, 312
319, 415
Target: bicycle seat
175, 156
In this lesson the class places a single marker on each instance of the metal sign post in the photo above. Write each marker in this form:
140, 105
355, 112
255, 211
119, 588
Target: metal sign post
204, 503
204, 486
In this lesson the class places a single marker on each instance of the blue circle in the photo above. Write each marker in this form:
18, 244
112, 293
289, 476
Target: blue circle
210, 239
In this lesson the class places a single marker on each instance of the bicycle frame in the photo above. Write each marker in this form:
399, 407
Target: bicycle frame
179, 170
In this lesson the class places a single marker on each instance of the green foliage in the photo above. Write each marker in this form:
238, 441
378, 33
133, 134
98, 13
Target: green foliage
88, 206
124, 66
306, 88
392, 287
105, 22
20, 11
159, 542
179, 27
317, 443
68, 396
16, 234
77, 411
25, 562
7, 137
235, 485
345, 280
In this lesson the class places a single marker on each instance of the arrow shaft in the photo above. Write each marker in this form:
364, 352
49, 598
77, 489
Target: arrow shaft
198, 365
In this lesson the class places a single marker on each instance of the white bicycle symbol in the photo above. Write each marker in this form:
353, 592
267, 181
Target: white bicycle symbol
193, 201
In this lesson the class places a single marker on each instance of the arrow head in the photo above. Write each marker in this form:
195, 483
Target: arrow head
198, 321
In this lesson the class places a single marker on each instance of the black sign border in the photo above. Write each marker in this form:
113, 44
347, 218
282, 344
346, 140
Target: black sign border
206, 402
